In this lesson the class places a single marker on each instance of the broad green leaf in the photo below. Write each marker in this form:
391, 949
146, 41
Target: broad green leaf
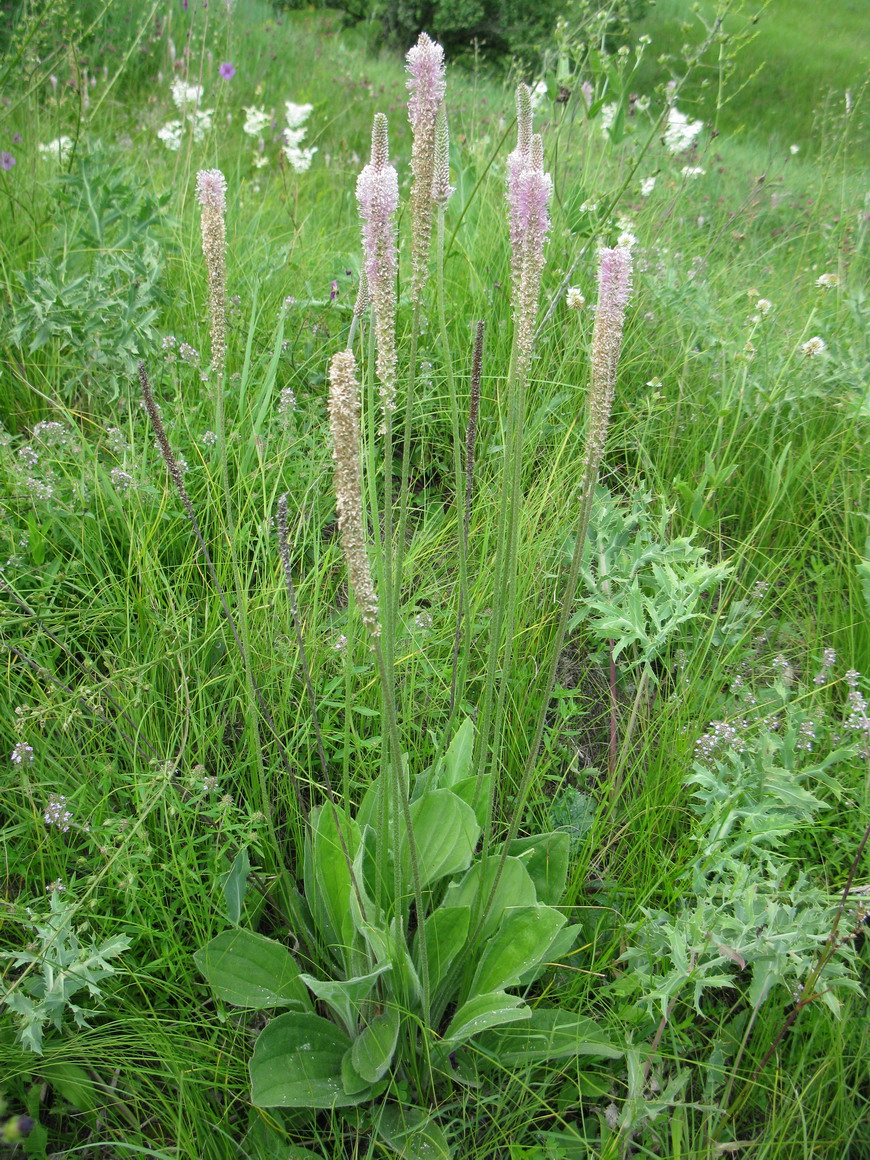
545, 856
411, 1133
558, 948
391, 947
515, 888
446, 932
518, 945
483, 1012
549, 1034
327, 873
467, 791
351, 1080
457, 759
373, 1048
249, 970
235, 885
344, 996
297, 1064
445, 831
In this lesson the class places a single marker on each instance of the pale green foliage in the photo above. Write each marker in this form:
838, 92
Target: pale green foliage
58, 970
94, 299
641, 588
745, 907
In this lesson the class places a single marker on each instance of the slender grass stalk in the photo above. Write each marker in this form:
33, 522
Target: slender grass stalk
458, 677
177, 478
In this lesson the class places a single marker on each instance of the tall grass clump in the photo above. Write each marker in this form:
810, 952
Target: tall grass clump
433, 592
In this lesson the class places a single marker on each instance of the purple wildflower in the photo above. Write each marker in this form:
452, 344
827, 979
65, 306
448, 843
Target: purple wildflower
333, 289
21, 753
226, 70
6, 161
17, 138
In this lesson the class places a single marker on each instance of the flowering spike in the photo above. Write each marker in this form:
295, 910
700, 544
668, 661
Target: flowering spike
441, 187
427, 86
211, 188
614, 289
377, 191
344, 422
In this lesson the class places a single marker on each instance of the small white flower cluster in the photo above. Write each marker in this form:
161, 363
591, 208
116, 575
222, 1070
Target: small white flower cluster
829, 659
681, 132
257, 121
813, 346
647, 186
575, 299
57, 150
57, 814
721, 736
300, 159
827, 281
21, 753
186, 99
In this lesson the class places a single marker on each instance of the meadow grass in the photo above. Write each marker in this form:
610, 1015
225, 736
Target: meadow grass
120, 673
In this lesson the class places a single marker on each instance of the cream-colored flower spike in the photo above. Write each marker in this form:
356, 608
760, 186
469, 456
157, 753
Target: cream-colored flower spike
344, 421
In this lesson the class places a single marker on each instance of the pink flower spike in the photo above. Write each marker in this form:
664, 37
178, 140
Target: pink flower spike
426, 83
211, 189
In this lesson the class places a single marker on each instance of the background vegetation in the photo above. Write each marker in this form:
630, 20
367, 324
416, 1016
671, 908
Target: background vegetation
151, 766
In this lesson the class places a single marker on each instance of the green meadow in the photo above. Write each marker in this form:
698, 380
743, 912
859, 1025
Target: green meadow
566, 857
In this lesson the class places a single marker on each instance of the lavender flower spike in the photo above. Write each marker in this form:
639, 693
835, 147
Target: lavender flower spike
517, 161
427, 86
211, 188
377, 191
530, 198
614, 289
344, 422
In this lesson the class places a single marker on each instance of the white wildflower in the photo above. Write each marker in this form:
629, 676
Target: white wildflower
813, 346
681, 132
647, 186
575, 299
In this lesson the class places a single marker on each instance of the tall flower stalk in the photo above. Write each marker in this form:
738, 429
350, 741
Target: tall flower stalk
377, 192
426, 89
344, 410
529, 190
614, 290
